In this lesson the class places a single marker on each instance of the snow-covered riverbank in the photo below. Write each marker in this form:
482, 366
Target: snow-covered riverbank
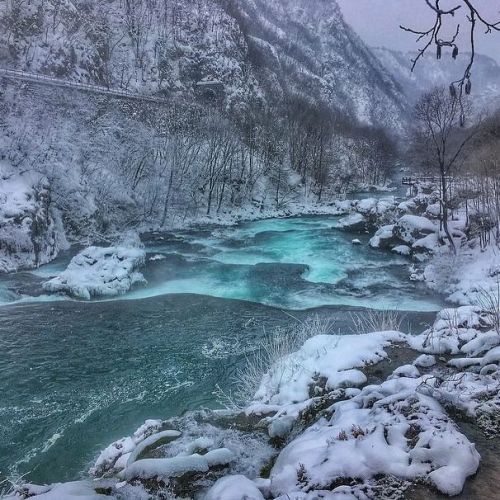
343, 416
325, 420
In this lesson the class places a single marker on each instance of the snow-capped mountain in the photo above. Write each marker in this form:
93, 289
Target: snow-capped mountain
259, 50
430, 72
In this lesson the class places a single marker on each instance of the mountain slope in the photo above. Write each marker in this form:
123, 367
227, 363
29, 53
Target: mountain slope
430, 73
259, 50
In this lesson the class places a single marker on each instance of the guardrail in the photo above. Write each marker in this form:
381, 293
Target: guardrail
410, 181
49, 80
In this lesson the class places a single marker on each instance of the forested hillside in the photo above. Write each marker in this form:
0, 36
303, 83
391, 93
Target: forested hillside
263, 104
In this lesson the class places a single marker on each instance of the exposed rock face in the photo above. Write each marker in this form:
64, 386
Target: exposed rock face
31, 232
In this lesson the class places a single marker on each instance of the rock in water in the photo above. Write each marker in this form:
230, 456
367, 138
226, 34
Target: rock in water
98, 271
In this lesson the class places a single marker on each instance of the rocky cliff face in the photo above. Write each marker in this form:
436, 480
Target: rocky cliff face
30, 228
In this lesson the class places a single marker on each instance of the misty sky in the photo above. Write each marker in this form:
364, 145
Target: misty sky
377, 22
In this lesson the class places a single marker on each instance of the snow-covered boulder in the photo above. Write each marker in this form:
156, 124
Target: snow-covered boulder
236, 487
31, 231
427, 244
366, 206
404, 250
391, 430
425, 361
384, 237
355, 222
98, 271
411, 228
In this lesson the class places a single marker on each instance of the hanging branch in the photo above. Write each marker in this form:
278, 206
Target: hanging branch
463, 85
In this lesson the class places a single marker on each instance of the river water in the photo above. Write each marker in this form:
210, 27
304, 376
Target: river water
75, 376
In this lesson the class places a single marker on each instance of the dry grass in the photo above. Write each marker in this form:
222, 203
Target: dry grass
273, 352
371, 320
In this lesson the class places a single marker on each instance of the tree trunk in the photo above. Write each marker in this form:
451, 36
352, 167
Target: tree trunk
444, 202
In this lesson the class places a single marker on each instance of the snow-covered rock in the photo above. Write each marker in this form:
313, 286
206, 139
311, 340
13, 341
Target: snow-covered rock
384, 237
425, 361
31, 231
411, 228
236, 487
353, 222
76, 490
402, 250
389, 429
165, 468
98, 271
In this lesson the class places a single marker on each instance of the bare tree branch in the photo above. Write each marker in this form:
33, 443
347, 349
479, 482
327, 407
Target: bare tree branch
474, 18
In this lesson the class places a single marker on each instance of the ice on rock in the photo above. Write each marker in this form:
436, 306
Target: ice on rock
389, 429
152, 441
164, 468
116, 455
76, 490
147, 428
236, 487
98, 271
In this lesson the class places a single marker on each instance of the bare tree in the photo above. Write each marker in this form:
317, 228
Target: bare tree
433, 37
441, 141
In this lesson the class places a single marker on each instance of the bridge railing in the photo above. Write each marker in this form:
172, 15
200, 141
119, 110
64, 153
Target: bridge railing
50, 80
